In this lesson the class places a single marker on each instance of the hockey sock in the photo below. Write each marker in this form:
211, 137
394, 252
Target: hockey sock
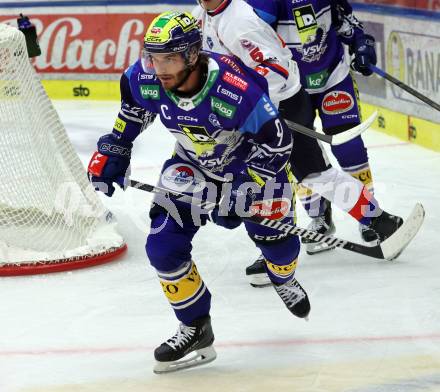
280, 274
186, 292
362, 173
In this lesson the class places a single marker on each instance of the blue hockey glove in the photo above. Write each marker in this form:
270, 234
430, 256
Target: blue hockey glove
364, 54
109, 164
237, 204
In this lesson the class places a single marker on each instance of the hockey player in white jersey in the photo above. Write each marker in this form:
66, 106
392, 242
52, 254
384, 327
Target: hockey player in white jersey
235, 29
232, 27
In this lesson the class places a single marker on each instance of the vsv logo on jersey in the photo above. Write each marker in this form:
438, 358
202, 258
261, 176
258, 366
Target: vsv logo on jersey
313, 51
200, 138
222, 108
312, 35
149, 92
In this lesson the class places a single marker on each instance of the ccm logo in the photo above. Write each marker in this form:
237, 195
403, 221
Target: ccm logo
118, 150
187, 118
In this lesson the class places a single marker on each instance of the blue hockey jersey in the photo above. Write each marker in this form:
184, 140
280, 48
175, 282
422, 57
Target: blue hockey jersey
230, 125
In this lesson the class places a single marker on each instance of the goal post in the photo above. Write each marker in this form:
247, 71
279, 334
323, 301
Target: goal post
51, 219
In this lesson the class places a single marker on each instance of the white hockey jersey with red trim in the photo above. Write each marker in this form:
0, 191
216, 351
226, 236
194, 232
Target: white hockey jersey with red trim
234, 29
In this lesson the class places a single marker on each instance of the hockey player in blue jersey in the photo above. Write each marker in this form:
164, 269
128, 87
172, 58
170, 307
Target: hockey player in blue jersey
323, 36
232, 27
230, 137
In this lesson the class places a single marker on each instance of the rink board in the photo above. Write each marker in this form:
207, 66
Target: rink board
402, 126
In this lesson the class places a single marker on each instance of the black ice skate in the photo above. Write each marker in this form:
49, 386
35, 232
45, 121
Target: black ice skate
256, 273
196, 338
385, 225
295, 298
322, 224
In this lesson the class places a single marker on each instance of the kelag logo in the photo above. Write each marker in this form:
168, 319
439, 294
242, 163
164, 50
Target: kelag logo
149, 92
222, 108
317, 80
81, 91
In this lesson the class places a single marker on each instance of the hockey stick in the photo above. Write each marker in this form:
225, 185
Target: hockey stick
405, 87
334, 140
391, 248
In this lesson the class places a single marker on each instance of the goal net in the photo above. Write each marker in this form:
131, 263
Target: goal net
50, 216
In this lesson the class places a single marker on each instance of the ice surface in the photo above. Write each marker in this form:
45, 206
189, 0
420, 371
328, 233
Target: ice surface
374, 325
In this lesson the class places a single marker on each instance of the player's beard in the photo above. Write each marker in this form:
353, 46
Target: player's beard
172, 84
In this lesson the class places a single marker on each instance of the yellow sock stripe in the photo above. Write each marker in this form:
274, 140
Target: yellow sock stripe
186, 289
364, 176
282, 271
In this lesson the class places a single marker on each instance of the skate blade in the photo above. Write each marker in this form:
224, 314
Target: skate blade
318, 247
200, 357
259, 280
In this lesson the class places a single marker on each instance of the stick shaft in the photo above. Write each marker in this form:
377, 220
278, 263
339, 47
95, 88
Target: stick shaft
405, 87
372, 251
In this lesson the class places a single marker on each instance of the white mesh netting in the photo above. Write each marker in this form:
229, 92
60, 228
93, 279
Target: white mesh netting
48, 210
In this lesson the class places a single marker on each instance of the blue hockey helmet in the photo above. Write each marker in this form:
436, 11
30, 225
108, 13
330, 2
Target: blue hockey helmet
173, 32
